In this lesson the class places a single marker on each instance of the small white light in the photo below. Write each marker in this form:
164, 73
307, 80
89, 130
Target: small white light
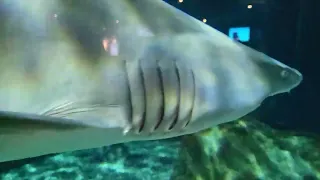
180, 1
204, 20
249, 6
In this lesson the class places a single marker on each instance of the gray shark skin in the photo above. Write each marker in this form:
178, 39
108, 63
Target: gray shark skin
174, 75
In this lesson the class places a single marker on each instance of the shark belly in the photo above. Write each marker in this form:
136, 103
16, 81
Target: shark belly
26, 144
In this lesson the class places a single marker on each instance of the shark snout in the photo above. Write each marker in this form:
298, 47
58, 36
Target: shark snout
296, 77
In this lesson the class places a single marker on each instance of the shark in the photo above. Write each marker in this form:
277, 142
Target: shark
174, 75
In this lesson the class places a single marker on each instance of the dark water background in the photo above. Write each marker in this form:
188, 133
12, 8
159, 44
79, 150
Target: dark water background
287, 30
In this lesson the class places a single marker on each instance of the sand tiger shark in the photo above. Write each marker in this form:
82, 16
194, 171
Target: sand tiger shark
173, 75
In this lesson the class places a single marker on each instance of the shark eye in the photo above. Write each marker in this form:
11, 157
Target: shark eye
284, 73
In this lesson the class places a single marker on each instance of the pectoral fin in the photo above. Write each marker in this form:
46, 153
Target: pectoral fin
65, 117
13, 122
98, 115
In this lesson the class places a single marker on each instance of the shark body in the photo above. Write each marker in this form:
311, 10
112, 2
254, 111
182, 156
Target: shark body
174, 75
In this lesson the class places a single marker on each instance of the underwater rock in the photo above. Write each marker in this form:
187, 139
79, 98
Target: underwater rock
131, 161
248, 150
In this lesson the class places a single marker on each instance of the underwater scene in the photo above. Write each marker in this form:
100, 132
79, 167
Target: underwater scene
159, 90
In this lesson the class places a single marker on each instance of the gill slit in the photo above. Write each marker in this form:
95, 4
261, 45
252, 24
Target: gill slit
189, 117
162, 95
177, 108
143, 118
129, 95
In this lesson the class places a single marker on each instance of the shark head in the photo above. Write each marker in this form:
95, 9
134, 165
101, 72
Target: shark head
276, 76
282, 78
231, 79
279, 77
